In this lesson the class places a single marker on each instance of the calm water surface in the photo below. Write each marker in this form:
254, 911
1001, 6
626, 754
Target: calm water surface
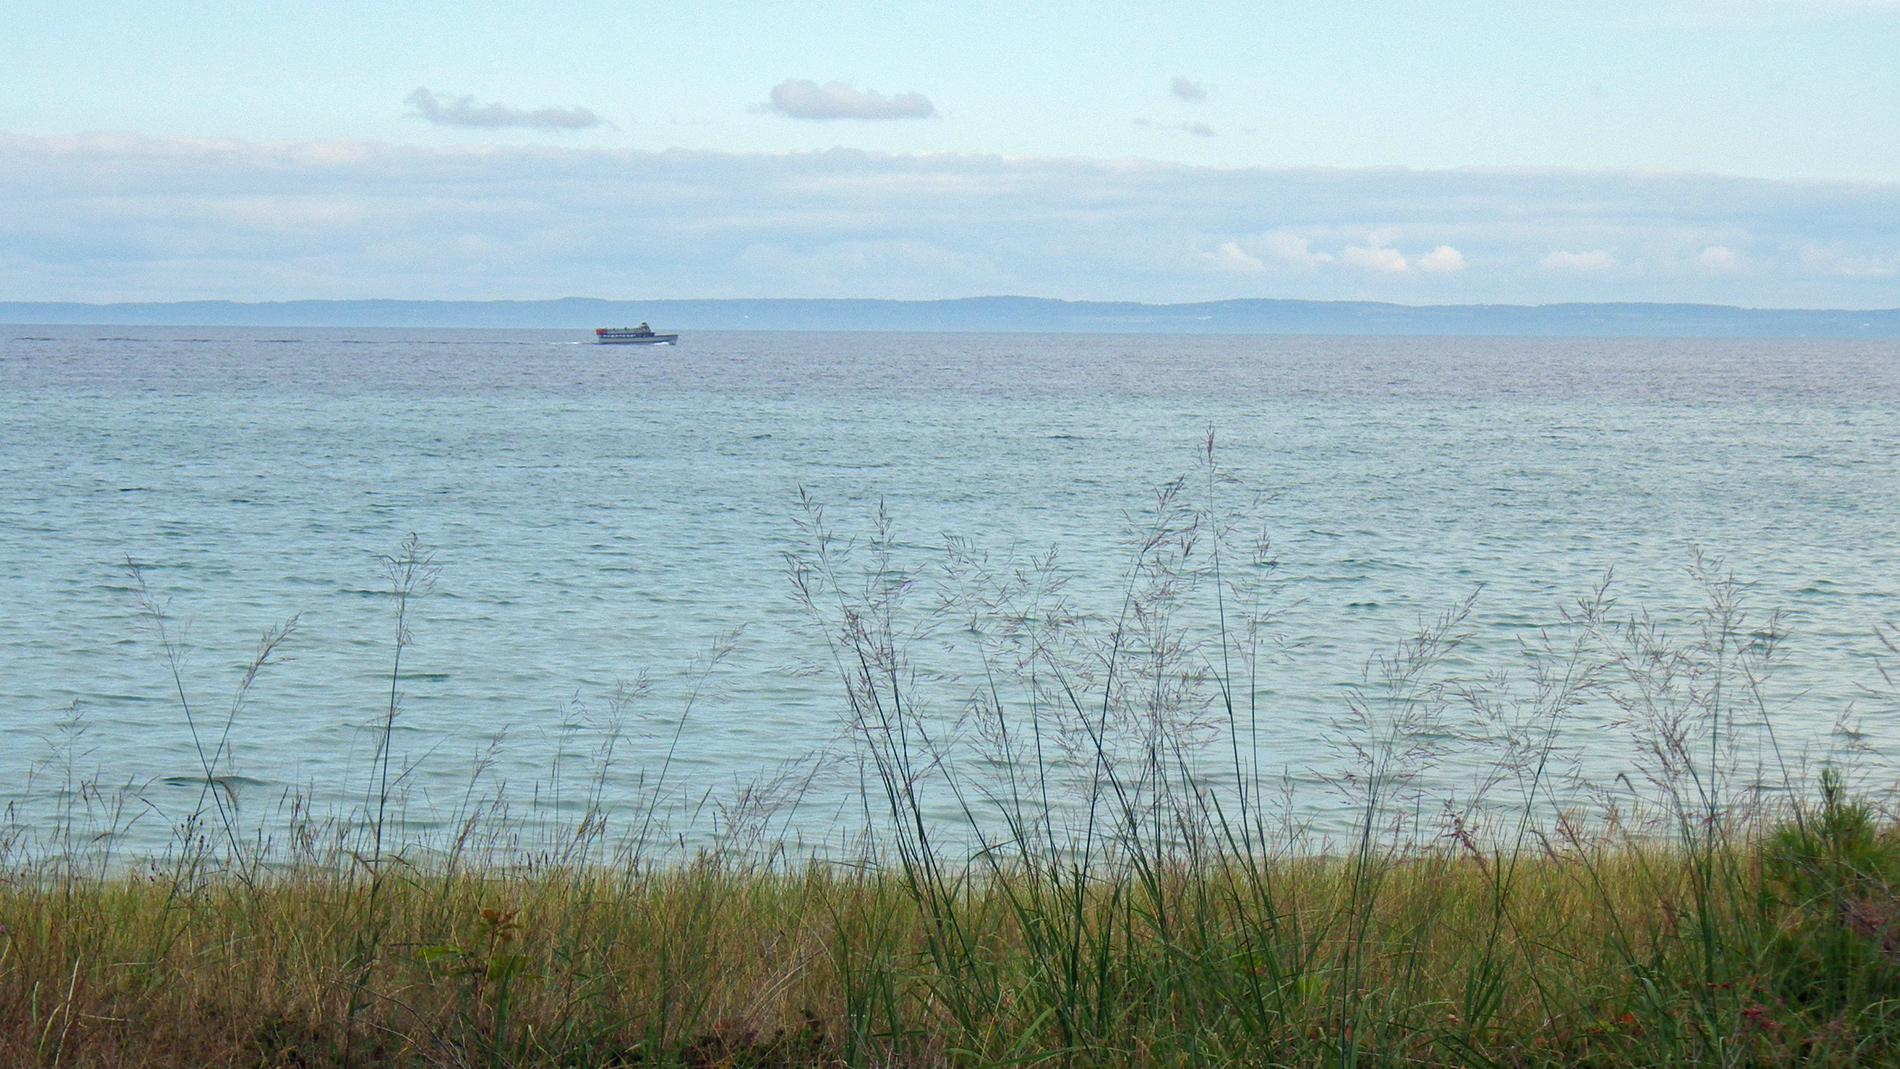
600, 513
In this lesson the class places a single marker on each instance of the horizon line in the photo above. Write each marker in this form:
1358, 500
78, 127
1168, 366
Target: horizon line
995, 314
1365, 302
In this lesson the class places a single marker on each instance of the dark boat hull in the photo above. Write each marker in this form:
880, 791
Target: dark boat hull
645, 339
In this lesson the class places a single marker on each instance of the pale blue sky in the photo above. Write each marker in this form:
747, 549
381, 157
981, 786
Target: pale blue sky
1765, 89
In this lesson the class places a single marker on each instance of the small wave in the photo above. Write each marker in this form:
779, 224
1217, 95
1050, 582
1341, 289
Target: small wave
227, 782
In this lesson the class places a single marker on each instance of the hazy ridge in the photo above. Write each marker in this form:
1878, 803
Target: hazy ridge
1002, 314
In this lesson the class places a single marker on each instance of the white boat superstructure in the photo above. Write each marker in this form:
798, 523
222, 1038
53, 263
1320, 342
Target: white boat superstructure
640, 335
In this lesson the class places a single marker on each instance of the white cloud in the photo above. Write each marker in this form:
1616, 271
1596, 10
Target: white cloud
1292, 249
803, 99
1187, 89
463, 111
1828, 259
1442, 260
1865, 268
1375, 258
1718, 260
1232, 258
1594, 260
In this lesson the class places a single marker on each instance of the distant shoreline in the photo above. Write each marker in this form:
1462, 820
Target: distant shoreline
999, 314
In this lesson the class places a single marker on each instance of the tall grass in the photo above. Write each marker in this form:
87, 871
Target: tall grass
1077, 850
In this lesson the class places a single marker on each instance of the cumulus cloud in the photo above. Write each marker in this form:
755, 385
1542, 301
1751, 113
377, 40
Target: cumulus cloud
1718, 260
1832, 259
463, 111
801, 98
1187, 89
125, 217
1594, 260
1233, 258
1293, 250
1854, 267
1375, 258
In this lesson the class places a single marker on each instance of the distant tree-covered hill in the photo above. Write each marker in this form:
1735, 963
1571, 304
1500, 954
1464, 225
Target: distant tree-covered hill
1003, 314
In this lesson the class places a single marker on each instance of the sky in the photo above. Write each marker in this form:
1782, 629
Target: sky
1740, 151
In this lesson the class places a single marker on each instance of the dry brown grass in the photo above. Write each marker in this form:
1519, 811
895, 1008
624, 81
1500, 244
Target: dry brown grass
1599, 956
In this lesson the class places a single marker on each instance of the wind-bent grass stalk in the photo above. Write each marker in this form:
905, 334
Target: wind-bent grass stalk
721, 650
174, 661
411, 573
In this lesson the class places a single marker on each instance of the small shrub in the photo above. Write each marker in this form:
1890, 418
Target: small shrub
1828, 888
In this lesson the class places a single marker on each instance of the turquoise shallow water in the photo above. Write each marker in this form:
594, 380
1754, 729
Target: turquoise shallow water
600, 513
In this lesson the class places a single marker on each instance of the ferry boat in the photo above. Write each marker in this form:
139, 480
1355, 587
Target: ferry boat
640, 335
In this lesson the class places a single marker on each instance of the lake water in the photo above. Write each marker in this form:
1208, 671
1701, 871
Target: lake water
600, 513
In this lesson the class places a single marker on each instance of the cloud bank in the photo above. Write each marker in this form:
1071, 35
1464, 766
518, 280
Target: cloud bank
463, 111
802, 99
124, 217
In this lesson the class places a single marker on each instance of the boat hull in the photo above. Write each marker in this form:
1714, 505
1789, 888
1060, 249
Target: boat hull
650, 339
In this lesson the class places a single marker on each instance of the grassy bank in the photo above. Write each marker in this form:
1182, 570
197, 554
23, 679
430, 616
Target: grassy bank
1075, 850
1778, 951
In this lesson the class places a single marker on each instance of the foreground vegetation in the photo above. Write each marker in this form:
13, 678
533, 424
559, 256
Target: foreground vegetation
1077, 859
1780, 952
